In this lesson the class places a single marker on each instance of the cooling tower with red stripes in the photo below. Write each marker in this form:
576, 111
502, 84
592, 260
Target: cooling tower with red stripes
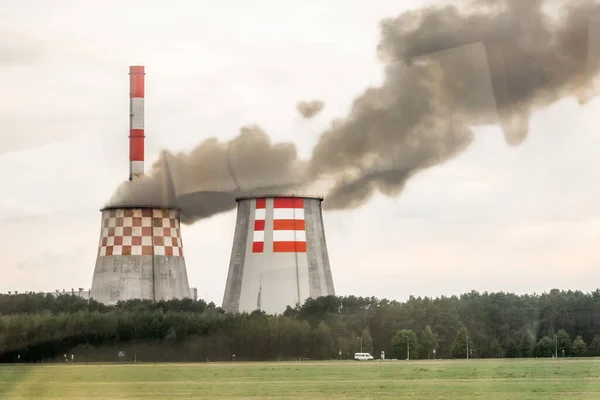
279, 254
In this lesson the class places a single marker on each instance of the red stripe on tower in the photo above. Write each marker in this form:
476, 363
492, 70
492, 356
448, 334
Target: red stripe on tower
289, 235
258, 237
292, 202
136, 121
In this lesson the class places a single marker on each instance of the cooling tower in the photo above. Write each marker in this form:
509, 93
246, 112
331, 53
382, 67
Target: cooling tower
140, 256
279, 254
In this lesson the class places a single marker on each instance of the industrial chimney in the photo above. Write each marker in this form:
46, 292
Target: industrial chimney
136, 121
279, 254
140, 254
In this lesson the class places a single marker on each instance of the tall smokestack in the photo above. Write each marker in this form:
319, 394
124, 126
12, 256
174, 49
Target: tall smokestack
136, 122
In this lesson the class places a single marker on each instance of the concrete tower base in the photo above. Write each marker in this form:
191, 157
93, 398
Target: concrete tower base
279, 255
140, 256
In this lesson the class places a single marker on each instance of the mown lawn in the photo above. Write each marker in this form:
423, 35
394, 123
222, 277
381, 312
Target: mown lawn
473, 379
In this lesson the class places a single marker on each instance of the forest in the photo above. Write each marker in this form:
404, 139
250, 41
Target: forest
46, 328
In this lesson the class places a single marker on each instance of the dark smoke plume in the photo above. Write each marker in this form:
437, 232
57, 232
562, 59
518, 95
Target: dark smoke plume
309, 109
446, 69
207, 180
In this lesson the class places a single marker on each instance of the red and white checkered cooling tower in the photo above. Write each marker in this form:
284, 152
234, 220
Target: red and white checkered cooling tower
279, 254
140, 254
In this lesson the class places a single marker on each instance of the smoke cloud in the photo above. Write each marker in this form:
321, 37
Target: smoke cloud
309, 109
207, 180
446, 70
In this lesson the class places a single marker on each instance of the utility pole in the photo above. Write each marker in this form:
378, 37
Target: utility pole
359, 338
467, 347
407, 347
555, 346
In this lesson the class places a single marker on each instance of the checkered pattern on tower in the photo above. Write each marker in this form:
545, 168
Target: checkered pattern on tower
140, 231
287, 225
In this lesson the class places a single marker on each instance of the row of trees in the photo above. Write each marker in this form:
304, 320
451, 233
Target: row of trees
406, 345
43, 327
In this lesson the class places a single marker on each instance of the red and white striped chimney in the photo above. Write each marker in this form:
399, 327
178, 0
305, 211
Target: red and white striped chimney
136, 122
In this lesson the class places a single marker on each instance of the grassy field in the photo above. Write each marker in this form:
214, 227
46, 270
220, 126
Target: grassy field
465, 380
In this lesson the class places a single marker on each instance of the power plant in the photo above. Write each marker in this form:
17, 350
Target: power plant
279, 255
140, 254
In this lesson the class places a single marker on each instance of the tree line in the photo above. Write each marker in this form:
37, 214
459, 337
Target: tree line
38, 327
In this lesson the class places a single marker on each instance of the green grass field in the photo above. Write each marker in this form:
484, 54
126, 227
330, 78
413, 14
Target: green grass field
476, 379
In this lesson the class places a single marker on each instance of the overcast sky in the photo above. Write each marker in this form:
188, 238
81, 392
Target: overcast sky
497, 218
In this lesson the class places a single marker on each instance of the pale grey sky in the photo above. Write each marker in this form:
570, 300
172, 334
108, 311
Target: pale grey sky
522, 219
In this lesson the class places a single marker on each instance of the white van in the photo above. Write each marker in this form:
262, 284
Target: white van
363, 356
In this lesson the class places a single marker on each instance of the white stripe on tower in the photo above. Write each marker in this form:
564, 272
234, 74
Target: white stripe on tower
288, 213
289, 236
